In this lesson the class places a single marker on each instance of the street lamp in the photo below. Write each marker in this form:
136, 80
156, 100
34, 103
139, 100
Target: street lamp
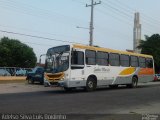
82, 27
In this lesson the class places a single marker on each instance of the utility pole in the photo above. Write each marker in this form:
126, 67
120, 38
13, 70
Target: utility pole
91, 22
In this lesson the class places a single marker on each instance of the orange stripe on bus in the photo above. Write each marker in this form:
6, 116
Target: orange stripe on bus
146, 71
128, 71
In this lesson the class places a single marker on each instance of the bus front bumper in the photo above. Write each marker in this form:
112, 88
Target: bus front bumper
59, 83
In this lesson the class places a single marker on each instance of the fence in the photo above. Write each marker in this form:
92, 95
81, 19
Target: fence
14, 71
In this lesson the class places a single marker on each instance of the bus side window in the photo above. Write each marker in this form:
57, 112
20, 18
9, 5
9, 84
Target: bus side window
134, 61
149, 63
124, 60
142, 62
114, 59
102, 58
77, 58
90, 57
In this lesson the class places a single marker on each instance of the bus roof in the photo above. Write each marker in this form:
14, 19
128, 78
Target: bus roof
109, 50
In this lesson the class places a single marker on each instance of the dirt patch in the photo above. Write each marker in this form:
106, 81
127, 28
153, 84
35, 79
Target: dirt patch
24, 87
11, 79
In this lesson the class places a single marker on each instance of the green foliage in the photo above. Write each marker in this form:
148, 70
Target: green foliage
151, 46
13, 53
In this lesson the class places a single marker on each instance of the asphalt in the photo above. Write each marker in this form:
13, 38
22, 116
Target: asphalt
105, 103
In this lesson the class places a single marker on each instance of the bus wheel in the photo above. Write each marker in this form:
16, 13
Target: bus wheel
134, 83
91, 84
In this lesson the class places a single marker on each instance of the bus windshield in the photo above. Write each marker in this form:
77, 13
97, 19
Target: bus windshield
57, 59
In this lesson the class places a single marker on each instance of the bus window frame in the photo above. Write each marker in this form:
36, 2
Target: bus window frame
78, 66
90, 57
113, 59
107, 59
134, 61
125, 60
151, 62
139, 62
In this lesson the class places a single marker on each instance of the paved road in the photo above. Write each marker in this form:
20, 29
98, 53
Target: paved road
144, 99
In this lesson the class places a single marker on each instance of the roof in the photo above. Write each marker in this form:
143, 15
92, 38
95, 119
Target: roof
109, 50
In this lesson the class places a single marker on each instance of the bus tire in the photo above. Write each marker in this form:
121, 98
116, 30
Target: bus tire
91, 84
134, 82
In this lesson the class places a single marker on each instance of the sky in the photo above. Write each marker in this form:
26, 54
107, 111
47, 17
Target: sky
58, 21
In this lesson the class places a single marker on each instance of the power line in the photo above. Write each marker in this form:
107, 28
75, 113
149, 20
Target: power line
115, 17
102, 29
38, 44
34, 36
127, 15
42, 13
35, 31
143, 14
118, 10
82, 3
146, 18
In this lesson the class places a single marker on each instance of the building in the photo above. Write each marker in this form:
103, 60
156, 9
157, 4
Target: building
136, 33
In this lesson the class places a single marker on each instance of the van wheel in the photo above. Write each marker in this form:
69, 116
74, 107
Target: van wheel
32, 81
134, 83
91, 84
29, 81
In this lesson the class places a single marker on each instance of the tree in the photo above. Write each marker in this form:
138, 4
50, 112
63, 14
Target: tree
151, 46
13, 53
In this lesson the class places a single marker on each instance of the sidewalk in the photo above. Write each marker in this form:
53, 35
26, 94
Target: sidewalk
150, 83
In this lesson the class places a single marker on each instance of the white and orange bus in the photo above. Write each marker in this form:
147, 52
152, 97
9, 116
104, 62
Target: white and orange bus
72, 66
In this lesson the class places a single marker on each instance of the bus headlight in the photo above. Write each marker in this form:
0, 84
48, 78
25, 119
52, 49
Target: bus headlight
62, 78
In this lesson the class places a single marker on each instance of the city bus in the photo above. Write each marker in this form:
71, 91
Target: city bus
88, 67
